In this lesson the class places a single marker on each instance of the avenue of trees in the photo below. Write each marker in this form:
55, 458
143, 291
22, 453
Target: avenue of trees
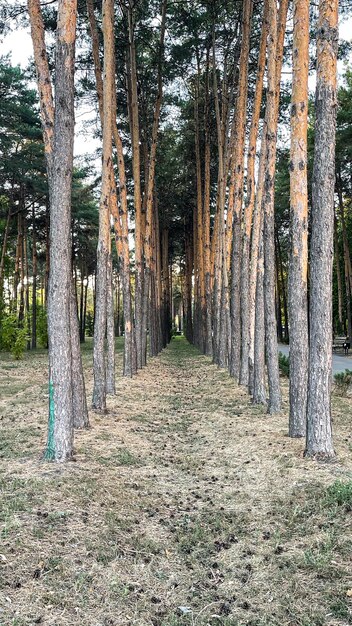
220, 196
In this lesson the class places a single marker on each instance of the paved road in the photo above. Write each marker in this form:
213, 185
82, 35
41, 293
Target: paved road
339, 363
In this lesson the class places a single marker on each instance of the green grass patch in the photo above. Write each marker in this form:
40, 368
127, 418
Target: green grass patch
17, 443
121, 457
339, 494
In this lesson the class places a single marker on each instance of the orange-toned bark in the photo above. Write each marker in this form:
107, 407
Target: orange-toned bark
298, 305
43, 77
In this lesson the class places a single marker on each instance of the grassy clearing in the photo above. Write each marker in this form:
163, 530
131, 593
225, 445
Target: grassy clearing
185, 506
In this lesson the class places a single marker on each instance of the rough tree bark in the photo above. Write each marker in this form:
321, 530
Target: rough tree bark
206, 217
259, 391
337, 260
234, 231
110, 332
319, 433
103, 250
120, 217
241, 258
255, 243
60, 445
140, 321
65, 57
150, 205
298, 271
276, 32
34, 281
252, 214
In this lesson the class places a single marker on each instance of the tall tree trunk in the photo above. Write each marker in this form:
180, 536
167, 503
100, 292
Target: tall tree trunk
34, 280
252, 216
61, 420
277, 25
255, 245
21, 310
16, 278
297, 285
150, 205
319, 434
243, 260
199, 287
103, 250
206, 217
27, 299
239, 298
61, 417
221, 297
120, 217
139, 230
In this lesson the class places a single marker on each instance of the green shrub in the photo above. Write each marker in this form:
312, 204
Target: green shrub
42, 327
340, 494
284, 364
343, 382
89, 324
13, 338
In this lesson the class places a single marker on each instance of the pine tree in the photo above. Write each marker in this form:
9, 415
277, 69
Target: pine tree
298, 306
319, 434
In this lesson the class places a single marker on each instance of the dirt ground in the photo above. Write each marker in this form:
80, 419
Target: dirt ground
185, 505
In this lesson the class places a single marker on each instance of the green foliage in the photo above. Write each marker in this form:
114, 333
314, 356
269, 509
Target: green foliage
343, 382
90, 324
42, 327
284, 364
340, 494
13, 337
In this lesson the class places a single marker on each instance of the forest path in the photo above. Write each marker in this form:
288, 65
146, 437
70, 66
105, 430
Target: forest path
186, 506
340, 363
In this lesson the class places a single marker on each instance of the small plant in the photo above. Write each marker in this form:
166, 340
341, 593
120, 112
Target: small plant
89, 324
42, 327
284, 364
13, 338
340, 494
343, 382
20, 344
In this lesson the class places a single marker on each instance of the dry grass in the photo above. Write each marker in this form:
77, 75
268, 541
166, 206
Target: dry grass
185, 505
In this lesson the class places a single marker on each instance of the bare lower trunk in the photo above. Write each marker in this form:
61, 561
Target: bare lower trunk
338, 275
259, 391
3, 251
235, 356
80, 409
100, 317
34, 282
110, 333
